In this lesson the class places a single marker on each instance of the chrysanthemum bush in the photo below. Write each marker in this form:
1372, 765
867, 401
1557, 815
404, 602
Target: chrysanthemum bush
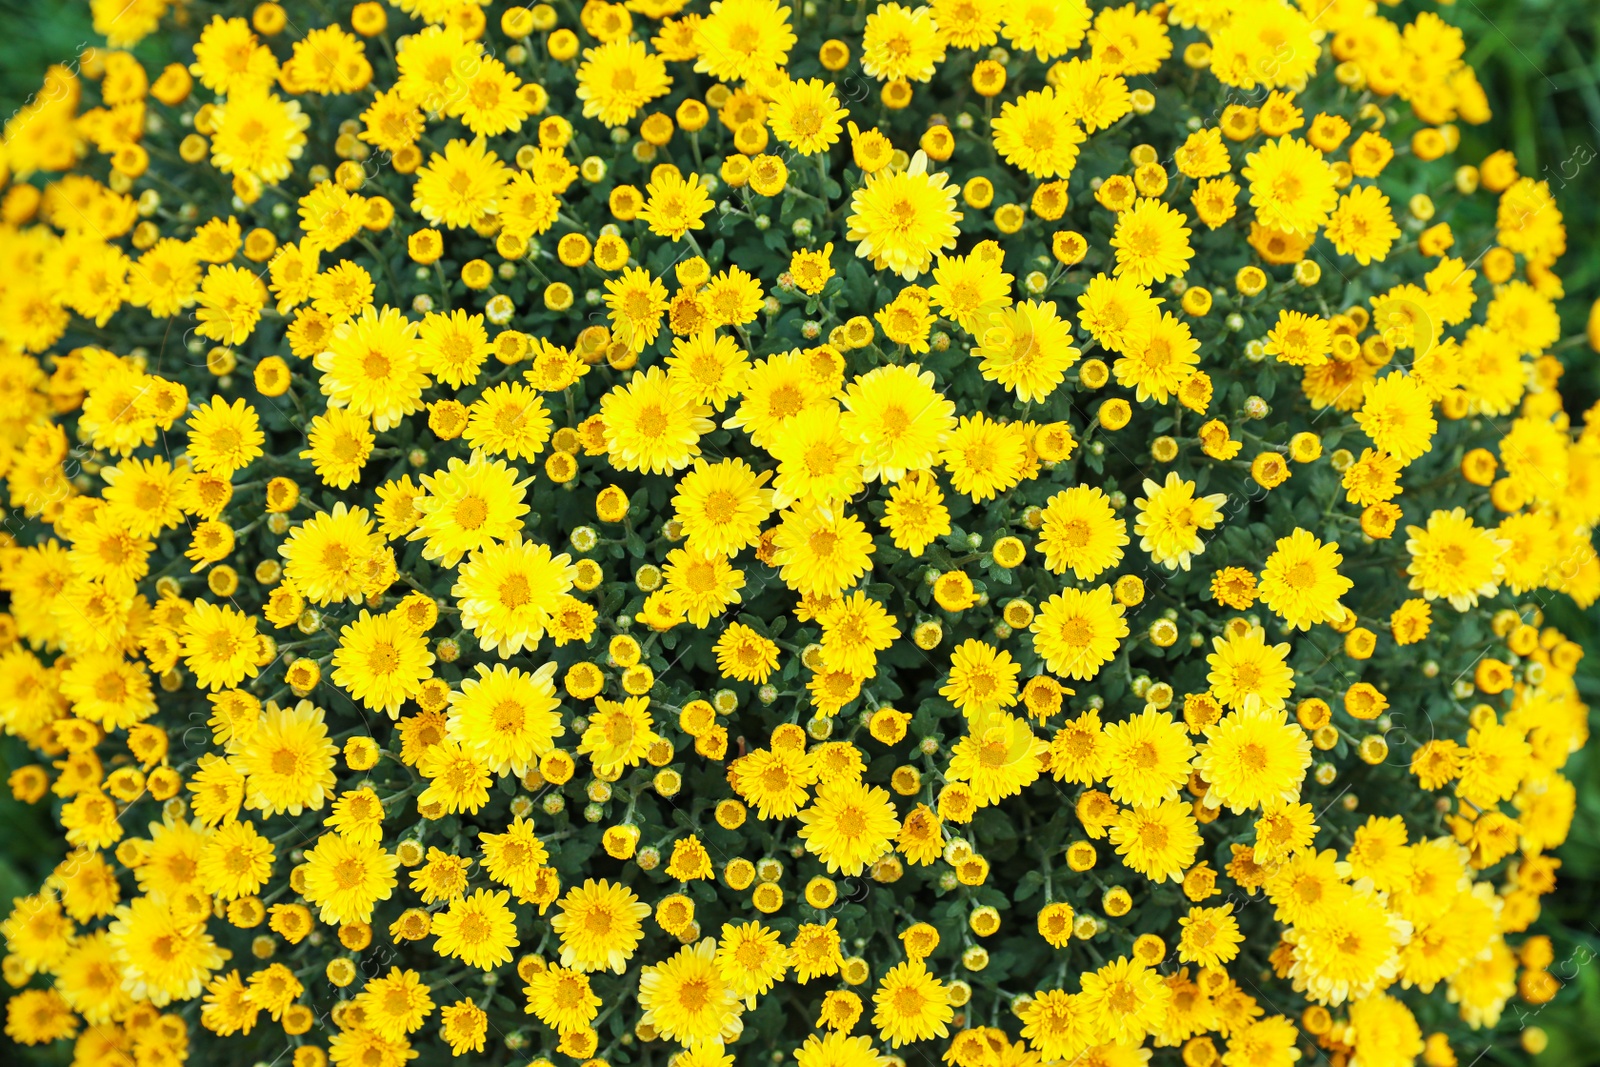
1014, 533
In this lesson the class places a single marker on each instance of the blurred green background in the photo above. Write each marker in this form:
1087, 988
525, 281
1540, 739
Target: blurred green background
1539, 60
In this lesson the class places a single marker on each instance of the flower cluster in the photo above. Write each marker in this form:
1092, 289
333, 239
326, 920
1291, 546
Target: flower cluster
693, 532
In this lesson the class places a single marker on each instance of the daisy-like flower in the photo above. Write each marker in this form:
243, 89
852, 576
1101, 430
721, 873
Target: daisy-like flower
1036, 134
855, 628
776, 390
106, 689
849, 825
164, 957
751, 959
230, 58
143, 495
330, 215
287, 763
1124, 1000
373, 367
915, 514
1147, 758
722, 505
1397, 413
673, 206
901, 218
463, 1025
970, 289
236, 861
711, 365
1082, 532
982, 679
89, 980
1151, 242
619, 733
636, 300
806, 116
1349, 952
461, 186
381, 661
442, 878
821, 553
1078, 632
510, 420
1048, 28
258, 135
1275, 46
90, 820
393, 121
487, 98
469, 506
1158, 367
1129, 41
774, 780
103, 551
732, 297
454, 346
1247, 673
984, 457
346, 879
220, 645
651, 426
1053, 1023
1362, 225
165, 279
358, 814
38, 935
1159, 840
921, 839
998, 758
1454, 558
900, 43
1254, 758
396, 1004
1027, 348
562, 999
480, 929
1300, 340
340, 444
1292, 187
685, 997
1284, 829
968, 24
744, 655
702, 584
429, 61
527, 208
515, 858
1079, 751
509, 593
811, 268
1301, 580
1210, 936
817, 463
1171, 518
743, 39
899, 417
456, 779
911, 1005
599, 924
1119, 313
231, 301
1093, 96
342, 291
